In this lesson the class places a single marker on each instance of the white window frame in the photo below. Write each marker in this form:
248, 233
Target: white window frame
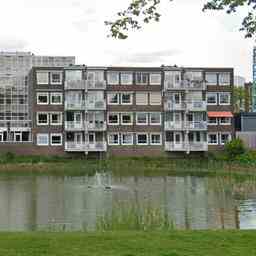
210, 83
61, 138
221, 123
56, 113
225, 84
141, 73
229, 137
56, 94
137, 141
137, 123
37, 118
126, 114
150, 97
118, 118
114, 144
156, 144
217, 137
38, 94
121, 96
160, 113
44, 72
224, 104
147, 98
42, 134
109, 98
216, 98
216, 123
61, 77
122, 141
154, 74
127, 73
116, 82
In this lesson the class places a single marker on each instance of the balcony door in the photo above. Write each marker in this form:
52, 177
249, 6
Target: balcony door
177, 140
92, 138
78, 117
79, 138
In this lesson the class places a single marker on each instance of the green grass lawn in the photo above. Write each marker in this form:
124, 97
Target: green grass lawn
174, 243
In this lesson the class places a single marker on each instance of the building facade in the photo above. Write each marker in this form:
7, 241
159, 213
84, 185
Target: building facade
130, 110
15, 114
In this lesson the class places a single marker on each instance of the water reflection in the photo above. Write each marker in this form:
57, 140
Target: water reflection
69, 203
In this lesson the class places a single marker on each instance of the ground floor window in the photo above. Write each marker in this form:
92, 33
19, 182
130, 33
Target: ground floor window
142, 139
224, 138
113, 139
127, 139
155, 139
56, 139
42, 139
213, 138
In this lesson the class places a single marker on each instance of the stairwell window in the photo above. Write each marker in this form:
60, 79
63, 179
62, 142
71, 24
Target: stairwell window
42, 118
42, 98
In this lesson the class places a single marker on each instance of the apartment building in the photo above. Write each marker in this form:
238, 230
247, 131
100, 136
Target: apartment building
129, 110
15, 117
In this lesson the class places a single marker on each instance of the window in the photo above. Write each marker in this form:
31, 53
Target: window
56, 118
96, 76
127, 118
142, 118
225, 121
212, 98
42, 77
155, 139
155, 78
212, 121
213, 139
155, 118
113, 139
56, 77
172, 79
127, 139
211, 78
42, 139
73, 75
56, 98
142, 98
126, 98
141, 78
142, 139
224, 138
126, 78
224, 98
113, 78
56, 139
42, 98
42, 119
224, 78
113, 98
194, 75
155, 98
113, 118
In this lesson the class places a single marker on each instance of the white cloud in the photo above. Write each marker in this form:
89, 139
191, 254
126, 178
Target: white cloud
185, 36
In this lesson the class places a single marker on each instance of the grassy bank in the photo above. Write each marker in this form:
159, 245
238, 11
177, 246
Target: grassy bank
197, 243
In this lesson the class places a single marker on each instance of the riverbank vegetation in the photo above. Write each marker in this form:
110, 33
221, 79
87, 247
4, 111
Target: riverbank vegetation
126, 243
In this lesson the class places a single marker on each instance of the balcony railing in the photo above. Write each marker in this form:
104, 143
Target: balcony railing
96, 105
186, 147
75, 85
182, 125
96, 126
75, 105
99, 146
196, 105
185, 85
15, 125
98, 85
171, 106
74, 126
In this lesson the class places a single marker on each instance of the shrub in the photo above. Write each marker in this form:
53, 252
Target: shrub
234, 148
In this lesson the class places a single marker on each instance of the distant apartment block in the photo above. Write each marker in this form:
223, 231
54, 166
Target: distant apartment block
254, 81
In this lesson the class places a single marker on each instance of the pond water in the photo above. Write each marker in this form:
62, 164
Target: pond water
77, 203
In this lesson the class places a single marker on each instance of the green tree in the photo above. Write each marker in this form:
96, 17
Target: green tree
140, 12
239, 98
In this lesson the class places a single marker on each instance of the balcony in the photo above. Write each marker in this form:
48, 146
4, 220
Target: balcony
173, 126
74, 126
96, 126
15, 125
172, 106
75, 105
198, 126
185, 85
98, 146
96, 105
182, 125
196, 105
186, 147
97, 85
75, 85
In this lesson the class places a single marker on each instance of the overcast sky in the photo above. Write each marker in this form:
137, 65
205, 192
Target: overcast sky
185, 36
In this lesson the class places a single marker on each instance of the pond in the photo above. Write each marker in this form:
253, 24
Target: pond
110, 202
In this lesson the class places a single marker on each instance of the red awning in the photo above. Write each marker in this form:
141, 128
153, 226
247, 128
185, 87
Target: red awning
220, 114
